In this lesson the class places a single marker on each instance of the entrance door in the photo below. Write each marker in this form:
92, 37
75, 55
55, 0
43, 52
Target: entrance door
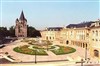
67, 42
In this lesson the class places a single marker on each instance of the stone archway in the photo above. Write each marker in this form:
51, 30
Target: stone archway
96, 53
67, 42
86, 45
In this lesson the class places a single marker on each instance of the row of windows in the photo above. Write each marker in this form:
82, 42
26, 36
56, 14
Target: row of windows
95, 40
49, 38
79, 31
96, 32
53, 29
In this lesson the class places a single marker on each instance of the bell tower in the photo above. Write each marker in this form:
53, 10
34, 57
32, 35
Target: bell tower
21, 26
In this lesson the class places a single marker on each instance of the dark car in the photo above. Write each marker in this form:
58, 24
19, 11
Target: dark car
1, 46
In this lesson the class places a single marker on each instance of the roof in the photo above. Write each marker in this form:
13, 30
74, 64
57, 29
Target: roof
95, 27
54, 28
80, 25
17, 19
22, 17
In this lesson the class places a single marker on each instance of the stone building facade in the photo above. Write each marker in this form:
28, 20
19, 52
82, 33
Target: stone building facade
21, 26
85, 35
95, 40
52, 34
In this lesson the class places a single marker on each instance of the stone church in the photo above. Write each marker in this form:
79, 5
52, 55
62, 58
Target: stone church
21, 26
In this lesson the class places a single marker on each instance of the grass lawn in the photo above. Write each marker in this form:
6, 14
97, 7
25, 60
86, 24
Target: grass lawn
63, 50
25, 50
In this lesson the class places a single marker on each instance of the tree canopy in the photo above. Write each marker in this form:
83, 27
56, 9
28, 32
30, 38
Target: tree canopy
31, 32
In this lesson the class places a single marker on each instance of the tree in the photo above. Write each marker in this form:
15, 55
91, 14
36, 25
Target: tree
12, 31
32, 32
36, 33
3, 32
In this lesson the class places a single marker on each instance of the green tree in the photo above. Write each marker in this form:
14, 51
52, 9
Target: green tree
3, 32
12, 31
32, 32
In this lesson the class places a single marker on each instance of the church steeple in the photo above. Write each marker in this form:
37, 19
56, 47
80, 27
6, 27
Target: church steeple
21, 26
22, 17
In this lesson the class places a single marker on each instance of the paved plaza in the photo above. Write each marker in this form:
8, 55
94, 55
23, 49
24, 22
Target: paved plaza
73, 57
61, 63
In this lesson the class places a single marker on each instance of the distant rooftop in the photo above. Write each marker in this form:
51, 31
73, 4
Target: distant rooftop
80, 25
54, 28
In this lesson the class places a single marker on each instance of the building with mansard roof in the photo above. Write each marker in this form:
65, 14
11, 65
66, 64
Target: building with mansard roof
52, 34
85, 35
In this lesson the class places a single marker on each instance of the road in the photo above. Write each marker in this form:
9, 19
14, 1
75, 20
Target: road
61, 63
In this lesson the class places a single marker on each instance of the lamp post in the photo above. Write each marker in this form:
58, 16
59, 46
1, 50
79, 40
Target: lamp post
82, 61
47, 42
47, 47
35, 57
35, 52
86, 52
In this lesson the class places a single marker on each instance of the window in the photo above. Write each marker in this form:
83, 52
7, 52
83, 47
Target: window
50, 37
96, 53
96, 33
93, 32
47, 38
96, 39
99, 23
53, 37
92, 39
86, 44
67, 42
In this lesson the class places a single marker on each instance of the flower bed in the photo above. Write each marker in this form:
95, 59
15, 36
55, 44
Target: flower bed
25, 50
63, 50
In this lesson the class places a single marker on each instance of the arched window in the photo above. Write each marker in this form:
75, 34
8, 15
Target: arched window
50, 37
47, 38
96, 53
86, 44
67, 42
96, 33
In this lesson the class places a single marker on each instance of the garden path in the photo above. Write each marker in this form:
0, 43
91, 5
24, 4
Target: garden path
50, 53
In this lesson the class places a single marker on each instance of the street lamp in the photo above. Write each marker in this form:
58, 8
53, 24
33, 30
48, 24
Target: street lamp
47, 43
35, 52
35, 57
47, 47
86, 52
82, 61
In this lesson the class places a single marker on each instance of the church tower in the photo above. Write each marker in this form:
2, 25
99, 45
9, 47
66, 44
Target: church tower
21, 26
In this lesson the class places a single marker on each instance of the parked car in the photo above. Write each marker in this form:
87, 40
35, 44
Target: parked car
1, 46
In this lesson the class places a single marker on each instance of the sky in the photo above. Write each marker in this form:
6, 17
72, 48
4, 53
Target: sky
49, 13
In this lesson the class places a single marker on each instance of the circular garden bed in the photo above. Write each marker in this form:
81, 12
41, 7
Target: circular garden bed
33, 49
63, 50
26, 50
